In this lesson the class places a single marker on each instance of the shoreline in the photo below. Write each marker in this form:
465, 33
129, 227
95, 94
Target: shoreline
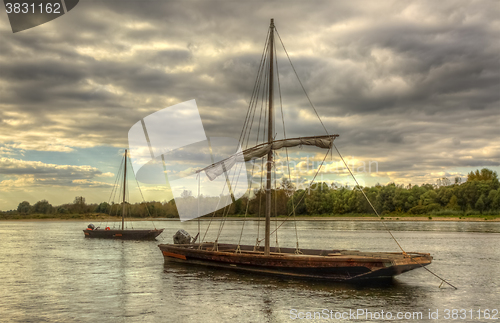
312, 218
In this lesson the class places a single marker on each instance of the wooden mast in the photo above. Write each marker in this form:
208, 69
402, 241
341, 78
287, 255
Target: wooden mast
124, 187
269, 139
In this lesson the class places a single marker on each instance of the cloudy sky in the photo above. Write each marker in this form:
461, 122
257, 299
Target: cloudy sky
411, 85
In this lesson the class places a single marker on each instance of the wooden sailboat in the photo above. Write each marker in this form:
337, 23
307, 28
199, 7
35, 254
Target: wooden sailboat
335, 265
123, 233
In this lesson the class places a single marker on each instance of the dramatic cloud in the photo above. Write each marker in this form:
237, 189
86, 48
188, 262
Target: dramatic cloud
412, 85
29, 174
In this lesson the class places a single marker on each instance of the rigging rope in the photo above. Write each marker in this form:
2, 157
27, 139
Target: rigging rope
303, 195
246, 210
113, 191
310, 102
198, 204
358, 186
286, 152
117, 191
144, 200
128, 206
228, 206
213, 215
224, 214
261, 160
255, 91
276, 209
247, 125
245, 134
262, 76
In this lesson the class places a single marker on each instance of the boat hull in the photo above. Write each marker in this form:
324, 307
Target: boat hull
334, 265
123, 234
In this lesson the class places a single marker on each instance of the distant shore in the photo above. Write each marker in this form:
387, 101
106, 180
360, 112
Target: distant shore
104, 218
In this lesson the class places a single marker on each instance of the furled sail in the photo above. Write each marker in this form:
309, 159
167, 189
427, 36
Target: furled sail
214, 170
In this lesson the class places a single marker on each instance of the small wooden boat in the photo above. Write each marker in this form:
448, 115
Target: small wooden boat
335, 265
123, 234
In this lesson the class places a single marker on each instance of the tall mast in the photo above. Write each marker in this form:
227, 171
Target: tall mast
124, 187
270, 139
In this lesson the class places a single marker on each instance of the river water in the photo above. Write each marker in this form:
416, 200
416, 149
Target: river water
50, 273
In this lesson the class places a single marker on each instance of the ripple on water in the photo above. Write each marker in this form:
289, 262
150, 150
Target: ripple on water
50, 272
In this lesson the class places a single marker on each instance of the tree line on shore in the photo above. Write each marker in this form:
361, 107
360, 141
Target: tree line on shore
480, 194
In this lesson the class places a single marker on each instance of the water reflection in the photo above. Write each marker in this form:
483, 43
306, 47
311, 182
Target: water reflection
50, 272
277, 295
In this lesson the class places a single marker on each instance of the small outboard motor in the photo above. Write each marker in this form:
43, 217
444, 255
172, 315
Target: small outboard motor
182, 237
91, 227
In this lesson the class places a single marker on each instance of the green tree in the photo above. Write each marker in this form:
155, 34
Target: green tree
79, 204
453, 204
385, 199
495, 202
490, 199
62, 210
444, 195
480, 204
484, 175
469, 193
400, 199
300, 208
42, 207
24, 207
170, 209
428, 197
339, 200
103, 207
318, 200
237, 207
280, 201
